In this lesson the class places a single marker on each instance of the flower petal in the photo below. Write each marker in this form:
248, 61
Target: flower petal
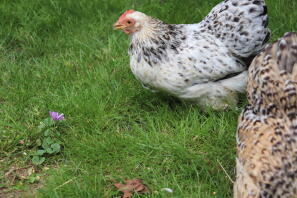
61, 116
51, 113
54, 115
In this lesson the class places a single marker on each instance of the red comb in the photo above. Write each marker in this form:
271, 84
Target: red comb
125, 13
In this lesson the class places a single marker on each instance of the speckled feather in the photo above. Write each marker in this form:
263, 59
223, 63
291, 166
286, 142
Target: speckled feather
204, 62
266, 162
240, 25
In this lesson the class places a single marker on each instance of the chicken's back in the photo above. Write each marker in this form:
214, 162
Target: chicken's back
241, 25
266, 162
272, 83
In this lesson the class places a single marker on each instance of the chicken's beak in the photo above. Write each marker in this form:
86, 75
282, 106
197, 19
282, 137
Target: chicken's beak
118, 26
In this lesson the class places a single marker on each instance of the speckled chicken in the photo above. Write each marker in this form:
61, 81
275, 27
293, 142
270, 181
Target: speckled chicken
204, 62
266, 163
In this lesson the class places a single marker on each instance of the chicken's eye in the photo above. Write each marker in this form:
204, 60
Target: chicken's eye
129, 22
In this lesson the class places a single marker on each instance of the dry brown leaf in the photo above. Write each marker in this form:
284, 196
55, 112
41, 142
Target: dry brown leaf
131, 186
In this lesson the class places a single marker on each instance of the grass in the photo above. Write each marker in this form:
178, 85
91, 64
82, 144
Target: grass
63, 55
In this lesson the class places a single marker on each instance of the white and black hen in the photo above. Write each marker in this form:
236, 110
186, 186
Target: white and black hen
204, 62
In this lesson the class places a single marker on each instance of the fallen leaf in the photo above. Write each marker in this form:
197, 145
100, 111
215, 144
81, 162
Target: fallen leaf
131, 186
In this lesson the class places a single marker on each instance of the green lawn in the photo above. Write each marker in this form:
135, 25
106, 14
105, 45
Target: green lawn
63, 55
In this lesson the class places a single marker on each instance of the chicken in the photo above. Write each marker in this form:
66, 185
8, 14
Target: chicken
205, 62
266, 163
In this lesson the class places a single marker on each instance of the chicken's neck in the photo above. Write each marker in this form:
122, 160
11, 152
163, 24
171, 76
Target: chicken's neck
151, 30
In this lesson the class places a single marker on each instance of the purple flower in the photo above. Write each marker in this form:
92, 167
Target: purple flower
56, 115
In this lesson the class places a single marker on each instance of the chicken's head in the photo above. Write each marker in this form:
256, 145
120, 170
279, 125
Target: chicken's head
130, 22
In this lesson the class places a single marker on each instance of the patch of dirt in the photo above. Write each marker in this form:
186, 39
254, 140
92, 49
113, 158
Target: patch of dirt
20, 182
11, 193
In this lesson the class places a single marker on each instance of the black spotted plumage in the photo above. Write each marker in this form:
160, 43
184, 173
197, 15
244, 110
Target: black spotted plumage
220, 48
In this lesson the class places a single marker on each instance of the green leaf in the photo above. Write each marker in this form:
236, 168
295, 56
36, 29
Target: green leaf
37, 160
40, 152
41, 125
38, 142
48, 140
50, 150
56, 147
32, 180
48, 122
45, 145
47, 132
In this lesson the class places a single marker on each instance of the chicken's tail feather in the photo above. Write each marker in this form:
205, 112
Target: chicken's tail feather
240, 24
